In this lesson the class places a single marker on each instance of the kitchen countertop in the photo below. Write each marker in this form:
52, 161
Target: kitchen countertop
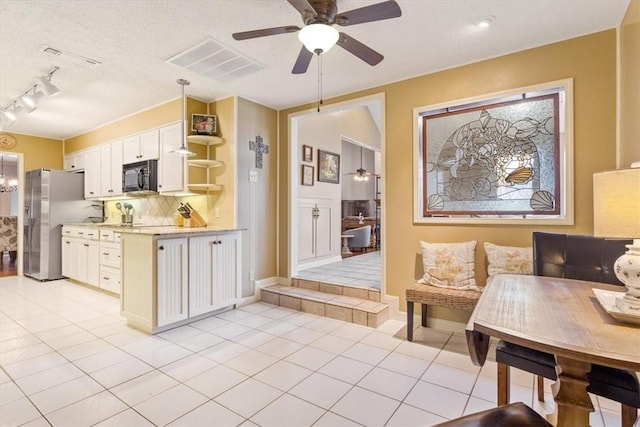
155, 229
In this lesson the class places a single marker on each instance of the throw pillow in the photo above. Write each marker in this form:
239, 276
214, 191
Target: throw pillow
508, 260
449, 265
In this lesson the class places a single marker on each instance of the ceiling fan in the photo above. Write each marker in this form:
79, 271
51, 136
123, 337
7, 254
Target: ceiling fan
360, 174
319, 16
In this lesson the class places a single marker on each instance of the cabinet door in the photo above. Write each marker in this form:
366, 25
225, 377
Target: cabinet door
171, 166
149, 145
69, 163
69, 261
131, 149
324, 232
81, 249
105, 165
201, 298
93, 262
226, 270
92, 178
172, 280
116, 168
306, 231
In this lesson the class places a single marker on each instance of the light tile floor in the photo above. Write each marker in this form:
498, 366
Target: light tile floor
361, 270
68, 359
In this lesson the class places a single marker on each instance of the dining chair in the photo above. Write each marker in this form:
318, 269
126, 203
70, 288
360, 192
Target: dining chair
361, 237
583, 258
515, 414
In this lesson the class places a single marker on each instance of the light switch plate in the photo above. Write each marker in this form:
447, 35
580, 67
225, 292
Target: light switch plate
253, 176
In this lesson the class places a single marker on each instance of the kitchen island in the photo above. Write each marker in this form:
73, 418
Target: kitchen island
172, 275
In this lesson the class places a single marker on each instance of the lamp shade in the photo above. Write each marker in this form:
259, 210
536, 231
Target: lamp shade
616, 203
318, 37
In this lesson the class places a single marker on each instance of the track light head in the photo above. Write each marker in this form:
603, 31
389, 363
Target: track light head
8, 117
28, 102
47, 87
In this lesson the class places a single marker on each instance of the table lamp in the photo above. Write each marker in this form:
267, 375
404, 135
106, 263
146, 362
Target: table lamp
616, 213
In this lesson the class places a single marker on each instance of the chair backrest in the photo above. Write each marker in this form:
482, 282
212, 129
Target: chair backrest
576, 256
361, 237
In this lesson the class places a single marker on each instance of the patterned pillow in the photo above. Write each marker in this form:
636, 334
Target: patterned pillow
449, 265
508, 260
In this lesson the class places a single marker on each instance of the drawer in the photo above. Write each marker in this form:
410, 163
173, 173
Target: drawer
110, 254
107, 235
81, 232
110, 279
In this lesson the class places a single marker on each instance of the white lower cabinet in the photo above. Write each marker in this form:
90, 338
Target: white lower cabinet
171, 280
90, 257
214, 272
173, 290
81, 255
316, 237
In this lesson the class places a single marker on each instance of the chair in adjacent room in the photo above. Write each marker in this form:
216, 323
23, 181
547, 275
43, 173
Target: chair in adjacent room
361, 238
583, 258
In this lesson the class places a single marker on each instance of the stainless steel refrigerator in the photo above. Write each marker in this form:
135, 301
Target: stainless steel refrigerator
52, 198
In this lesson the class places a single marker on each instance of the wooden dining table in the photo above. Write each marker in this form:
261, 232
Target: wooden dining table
558, 316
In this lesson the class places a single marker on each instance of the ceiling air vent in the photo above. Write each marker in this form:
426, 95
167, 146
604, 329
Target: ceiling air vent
52, 51
211, 59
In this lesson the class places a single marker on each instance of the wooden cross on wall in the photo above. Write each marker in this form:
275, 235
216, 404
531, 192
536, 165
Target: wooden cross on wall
260, 148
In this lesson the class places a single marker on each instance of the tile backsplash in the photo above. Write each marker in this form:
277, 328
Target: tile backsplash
154, 210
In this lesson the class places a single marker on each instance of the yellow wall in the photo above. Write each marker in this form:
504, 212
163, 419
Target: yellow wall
590, 60
225, 109
630, 86
38, 152
152, 118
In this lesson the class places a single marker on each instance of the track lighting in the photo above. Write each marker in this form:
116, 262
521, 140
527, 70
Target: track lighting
29, 99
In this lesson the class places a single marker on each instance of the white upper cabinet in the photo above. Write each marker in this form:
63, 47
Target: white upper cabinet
74, 162
144, 146
111, 168
171, 166
92, 178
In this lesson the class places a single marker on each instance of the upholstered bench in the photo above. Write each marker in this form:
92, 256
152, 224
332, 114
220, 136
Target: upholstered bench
444, 297
449, 275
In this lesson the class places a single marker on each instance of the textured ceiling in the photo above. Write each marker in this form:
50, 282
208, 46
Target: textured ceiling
134, 38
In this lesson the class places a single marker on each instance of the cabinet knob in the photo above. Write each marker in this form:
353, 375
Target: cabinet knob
105, 278
86, 244
105, 253
161, 248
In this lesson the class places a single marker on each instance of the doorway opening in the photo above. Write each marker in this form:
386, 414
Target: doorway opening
11, 196
308, 129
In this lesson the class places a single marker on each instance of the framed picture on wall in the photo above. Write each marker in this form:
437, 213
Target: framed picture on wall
204, 124
307, 153
307, 175
328, 167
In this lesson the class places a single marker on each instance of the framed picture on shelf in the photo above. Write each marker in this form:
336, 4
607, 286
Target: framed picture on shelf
307, 175
204, 124
328, 167
307, 153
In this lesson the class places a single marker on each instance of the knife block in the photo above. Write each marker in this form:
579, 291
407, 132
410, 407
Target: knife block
195, 221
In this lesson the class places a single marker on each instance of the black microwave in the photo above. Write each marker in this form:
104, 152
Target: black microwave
140, 177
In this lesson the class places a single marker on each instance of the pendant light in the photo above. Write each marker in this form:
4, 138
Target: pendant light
183, 150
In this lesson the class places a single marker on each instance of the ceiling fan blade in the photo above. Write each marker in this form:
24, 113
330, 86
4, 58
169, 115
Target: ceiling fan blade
303, 6
375, 12
360, 50
265, 32
303, 61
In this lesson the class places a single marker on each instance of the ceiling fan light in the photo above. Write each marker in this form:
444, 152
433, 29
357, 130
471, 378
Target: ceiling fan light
318, 37
47, 87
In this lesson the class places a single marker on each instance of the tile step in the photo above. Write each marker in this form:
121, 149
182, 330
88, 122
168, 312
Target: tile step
338, 289
341, 307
